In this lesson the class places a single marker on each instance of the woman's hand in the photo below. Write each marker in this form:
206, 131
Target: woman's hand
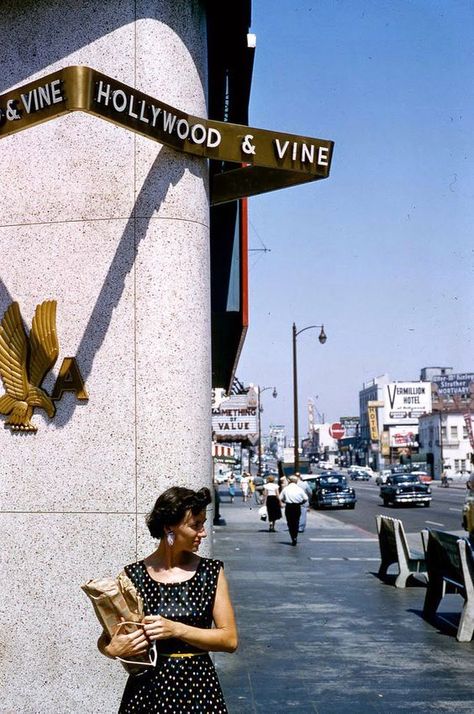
123, 644
159, 628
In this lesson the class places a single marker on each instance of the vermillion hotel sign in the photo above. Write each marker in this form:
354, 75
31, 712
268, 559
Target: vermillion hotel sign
266, 160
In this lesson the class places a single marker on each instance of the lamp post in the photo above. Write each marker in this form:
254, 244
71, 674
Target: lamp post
441, 454
322, 338
259, 408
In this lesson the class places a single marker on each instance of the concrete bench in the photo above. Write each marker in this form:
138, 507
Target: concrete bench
450, 564
394, 549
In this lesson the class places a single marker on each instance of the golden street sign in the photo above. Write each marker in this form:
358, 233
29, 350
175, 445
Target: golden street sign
25, 362
266, 160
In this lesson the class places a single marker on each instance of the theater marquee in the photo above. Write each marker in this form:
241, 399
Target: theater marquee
265, 160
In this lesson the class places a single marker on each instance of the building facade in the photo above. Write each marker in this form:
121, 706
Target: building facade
113, 228
446, 442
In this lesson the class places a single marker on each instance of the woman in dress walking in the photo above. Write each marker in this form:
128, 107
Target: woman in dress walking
271, 500
184, 595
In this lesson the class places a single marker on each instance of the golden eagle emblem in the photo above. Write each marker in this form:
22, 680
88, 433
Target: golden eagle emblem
25, 362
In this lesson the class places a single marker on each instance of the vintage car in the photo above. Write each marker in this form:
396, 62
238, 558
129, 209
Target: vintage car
332, 491
405, 488
359, 475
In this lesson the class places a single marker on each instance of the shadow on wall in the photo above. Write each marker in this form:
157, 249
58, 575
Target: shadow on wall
165, 173
158, 182
5, 297
25, 53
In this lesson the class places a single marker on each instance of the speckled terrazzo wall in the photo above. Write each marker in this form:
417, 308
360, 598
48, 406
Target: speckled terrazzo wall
115, 228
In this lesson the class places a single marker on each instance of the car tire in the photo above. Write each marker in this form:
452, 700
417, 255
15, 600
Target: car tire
386, 502
427, 504
351, 506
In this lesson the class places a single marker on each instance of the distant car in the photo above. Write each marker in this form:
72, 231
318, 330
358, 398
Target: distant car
359, 475
222, 478
382, 477
332, 491
423, 476
355, 467
402, 488
458, 477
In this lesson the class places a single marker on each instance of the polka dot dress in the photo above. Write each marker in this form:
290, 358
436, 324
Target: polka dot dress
181, 685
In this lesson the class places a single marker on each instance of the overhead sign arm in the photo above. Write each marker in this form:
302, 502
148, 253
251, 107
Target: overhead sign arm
266, 160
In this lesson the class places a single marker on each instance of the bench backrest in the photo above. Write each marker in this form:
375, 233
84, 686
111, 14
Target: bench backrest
390, 530
466, 555
442, 556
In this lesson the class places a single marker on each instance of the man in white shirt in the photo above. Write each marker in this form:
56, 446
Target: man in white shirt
304, 507
293, 497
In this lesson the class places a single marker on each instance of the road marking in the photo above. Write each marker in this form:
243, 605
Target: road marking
365, 559
433, 523
345, 540
455, 509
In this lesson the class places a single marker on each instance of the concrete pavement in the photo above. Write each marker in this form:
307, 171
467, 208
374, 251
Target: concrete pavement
319, 632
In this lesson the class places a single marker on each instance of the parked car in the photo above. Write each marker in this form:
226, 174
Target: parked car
332, 491
404, 488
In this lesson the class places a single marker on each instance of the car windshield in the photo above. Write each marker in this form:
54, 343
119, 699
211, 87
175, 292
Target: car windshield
332, 481
405, 478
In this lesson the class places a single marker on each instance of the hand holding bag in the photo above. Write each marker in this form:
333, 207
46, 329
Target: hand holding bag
114, 599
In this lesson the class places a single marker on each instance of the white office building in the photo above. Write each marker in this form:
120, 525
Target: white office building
445, 439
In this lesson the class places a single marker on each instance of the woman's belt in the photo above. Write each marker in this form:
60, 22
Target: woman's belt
180, 654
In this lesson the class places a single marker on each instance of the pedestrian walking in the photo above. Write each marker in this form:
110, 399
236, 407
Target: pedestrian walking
293, 497
244, 485
184, 595
232, 488
283, 482
304, 507
258, 483
251, 486
272, 501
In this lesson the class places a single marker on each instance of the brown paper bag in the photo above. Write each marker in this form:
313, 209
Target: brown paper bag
113, 599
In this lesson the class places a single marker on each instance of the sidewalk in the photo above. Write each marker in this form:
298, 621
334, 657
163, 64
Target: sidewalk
319, 632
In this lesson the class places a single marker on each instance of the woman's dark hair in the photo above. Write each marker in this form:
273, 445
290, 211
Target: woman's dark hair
171, 507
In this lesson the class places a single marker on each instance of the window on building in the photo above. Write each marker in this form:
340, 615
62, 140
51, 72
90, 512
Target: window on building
464, 432
463, 464
443, 432
456, 464
453, 431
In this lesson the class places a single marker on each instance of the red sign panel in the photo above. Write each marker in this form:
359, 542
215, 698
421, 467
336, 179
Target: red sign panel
336, 430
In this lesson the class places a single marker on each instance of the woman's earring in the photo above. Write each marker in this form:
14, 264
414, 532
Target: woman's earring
170, 538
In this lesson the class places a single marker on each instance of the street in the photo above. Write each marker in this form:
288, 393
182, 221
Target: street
444, 512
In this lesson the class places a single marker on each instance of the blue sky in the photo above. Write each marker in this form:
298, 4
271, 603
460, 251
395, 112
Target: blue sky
382, 251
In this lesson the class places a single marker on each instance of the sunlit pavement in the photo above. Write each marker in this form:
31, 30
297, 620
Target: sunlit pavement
319, 632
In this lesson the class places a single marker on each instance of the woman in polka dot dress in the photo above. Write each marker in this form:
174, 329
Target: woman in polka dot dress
184, 595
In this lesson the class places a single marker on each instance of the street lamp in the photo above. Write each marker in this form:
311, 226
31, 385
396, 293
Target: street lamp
322, 338
260, 409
